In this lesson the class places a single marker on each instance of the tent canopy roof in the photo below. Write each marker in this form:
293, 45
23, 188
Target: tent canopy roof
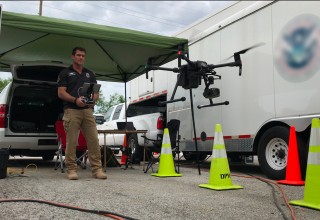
114, 54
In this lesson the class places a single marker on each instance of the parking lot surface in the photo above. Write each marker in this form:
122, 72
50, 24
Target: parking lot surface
134, 194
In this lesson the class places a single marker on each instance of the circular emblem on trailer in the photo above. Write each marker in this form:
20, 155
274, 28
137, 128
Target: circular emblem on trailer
297, 50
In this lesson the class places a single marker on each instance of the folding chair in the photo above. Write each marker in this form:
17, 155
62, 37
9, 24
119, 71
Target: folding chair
81, 149
173, 126
152, 159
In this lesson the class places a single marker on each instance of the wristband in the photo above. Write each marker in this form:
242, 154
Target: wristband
75, 100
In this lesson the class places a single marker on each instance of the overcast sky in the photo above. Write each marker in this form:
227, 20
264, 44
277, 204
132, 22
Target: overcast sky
158, 17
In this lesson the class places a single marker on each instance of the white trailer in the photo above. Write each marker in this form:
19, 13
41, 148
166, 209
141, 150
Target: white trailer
279, 86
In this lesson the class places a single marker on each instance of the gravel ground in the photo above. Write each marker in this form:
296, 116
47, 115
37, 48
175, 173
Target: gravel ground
137, 195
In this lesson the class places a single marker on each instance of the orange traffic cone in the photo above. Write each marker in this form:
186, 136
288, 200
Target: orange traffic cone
123, 156
293, 174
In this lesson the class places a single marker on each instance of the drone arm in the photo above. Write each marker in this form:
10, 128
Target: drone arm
175, 70
184, 57
237, 62
231, 64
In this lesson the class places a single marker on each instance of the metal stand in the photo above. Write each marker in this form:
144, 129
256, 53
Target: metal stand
194, 131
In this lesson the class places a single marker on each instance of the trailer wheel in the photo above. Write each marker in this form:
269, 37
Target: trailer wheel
273, 152
135, 149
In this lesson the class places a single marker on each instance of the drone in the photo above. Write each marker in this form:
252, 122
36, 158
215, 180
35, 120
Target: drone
191, 74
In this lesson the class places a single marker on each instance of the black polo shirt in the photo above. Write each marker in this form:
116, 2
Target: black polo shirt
74, 81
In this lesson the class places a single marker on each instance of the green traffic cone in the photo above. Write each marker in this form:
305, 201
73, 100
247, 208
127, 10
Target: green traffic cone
166, 164
312, 183
220, 177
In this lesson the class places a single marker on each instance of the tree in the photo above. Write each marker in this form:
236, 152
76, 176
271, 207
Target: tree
4, 83
103, 105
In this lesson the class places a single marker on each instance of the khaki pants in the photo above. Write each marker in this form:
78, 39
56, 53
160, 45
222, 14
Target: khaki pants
73, 120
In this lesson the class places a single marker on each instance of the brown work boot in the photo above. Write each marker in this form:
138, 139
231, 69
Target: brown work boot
99, 175
72, 175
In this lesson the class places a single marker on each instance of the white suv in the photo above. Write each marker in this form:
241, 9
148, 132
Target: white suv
29, 108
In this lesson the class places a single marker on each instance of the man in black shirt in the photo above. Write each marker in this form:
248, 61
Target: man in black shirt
78, 115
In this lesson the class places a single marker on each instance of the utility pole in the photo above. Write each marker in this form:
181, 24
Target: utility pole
40, 8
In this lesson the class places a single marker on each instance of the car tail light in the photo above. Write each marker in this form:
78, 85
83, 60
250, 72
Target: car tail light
2, 115
160, 123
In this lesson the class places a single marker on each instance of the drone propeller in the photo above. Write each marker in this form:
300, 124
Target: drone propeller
249, 48
245, 50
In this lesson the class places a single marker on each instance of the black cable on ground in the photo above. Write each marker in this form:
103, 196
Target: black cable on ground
275, 200
274, 197
276, 184
99, 212
269, 182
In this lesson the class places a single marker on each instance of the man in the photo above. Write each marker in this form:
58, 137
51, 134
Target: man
78, 115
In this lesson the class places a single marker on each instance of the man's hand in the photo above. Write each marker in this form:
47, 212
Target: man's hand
79, 102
